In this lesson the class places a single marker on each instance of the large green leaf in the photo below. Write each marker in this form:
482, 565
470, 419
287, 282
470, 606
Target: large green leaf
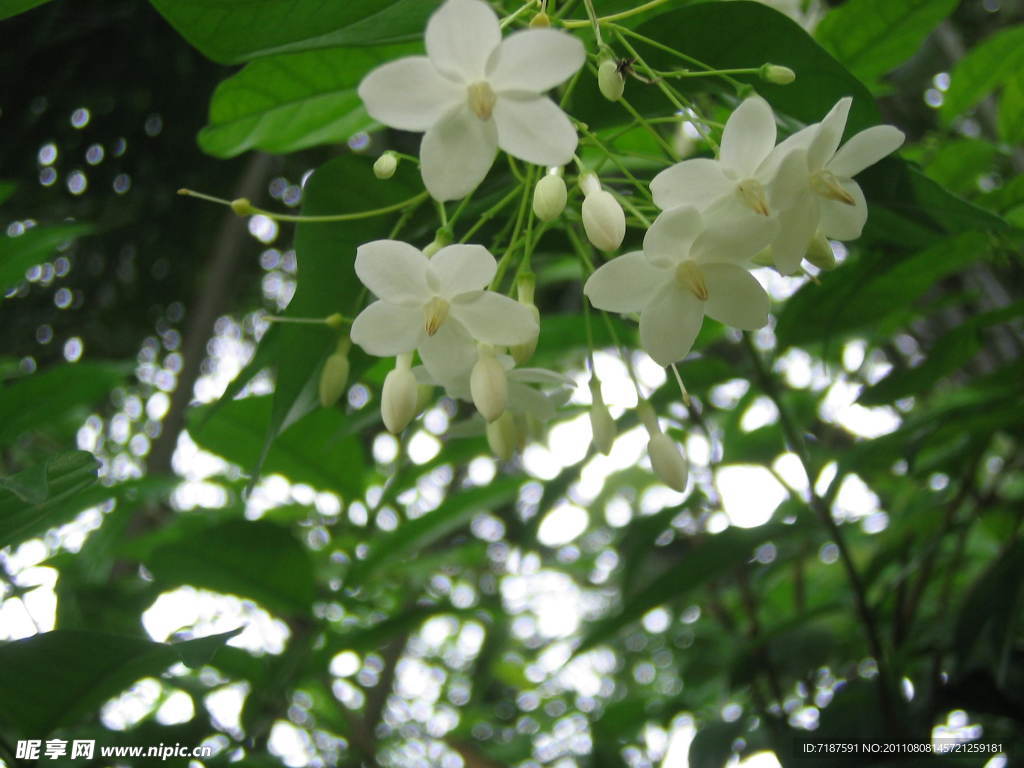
1011, 110
43, 399
705, 561
316, 450
58, 677
292, 101
33, 247
233, 31
873, 37
10, 8
876, 286
259, 560
40, 496
982, 70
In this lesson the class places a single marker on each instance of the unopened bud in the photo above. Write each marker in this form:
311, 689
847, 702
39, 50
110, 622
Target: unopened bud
398, 398
333, 378
602, 424
610, 81
488, 386
385, 165
668, 461
503, 436
777, 74
604, 220
549, 197
424, 397
820, 253
242, 207
540, 21
589, 183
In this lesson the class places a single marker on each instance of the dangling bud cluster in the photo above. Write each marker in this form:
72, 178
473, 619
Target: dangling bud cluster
603, 218
399, 396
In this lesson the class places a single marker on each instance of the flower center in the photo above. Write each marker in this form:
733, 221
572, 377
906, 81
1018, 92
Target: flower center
826, 184
481, 99
689, 277
752, 194
435, 312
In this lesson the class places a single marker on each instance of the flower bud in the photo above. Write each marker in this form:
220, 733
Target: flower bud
820, 253
668, 461
777, 74
242, 207
601, 423
488, 386
549, 197
503, 436
333, 378
589, 183
540, 21
610, 81
604, 220
398, 398
424, 397
385, 165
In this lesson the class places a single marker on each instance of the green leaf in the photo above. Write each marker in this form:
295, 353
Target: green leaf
705, 561
258, 560
413, 535
873, 37
35, 499
982, 70
958, 163
10, 8
42, 399
316, 450
7, 188
17, 254
233, 31
1011, 111
56, 678
864, 293
292, 101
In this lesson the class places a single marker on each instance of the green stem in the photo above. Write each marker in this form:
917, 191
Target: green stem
510, 250
577, 23
489, 214
243, 207
592, 137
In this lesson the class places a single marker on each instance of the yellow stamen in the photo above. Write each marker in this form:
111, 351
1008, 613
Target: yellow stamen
481, 99
435, 313
689, 276
752, 194
827, 185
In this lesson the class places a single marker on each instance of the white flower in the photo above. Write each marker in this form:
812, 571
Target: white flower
436, 306
829, 199
473, 93
684, 272
750, 174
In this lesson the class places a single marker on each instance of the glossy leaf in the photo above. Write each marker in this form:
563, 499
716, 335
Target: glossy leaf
1011, 111
873, 37
233, 31
10, 8
291, 101
982, 70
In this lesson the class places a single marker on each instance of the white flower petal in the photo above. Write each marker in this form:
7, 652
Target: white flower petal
840, 221
866, 148
540, 376
790, 180
828, 135
732, 232
494, 319
748, 137
535, 60
462, 268
534, 129
408, 94
384, 329
625, 284
394, 271
670, 324
735, 297
524, 399
696, 183
456, 154
449, 354
797, 226
460, 38
668, 240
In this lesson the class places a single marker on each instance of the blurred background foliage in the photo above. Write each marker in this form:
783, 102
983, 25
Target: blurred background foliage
168, 477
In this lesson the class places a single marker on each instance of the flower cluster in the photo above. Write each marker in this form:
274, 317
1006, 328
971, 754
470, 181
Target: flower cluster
757, 202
